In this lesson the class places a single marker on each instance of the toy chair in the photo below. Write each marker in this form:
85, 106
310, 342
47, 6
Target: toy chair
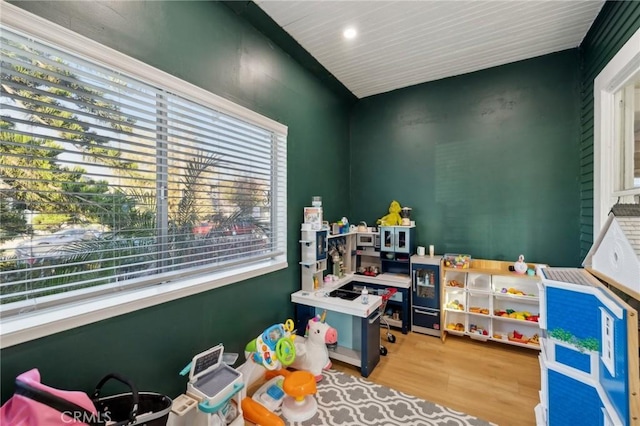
299, 404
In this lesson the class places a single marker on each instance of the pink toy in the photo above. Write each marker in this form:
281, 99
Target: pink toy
24, 409
311, 351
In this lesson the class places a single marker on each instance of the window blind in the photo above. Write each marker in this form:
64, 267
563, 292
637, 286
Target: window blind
109, 182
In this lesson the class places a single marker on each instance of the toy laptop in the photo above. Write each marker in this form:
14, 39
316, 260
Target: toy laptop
212, 380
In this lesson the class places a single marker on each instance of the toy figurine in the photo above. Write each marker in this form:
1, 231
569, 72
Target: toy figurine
520, 266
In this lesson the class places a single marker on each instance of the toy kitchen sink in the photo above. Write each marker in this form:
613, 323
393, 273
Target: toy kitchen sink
345, 293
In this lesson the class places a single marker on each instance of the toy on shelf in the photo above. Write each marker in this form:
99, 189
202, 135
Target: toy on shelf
477, 329
517, 315
455, 305
455, 326
512, 290
456, 260
515, 336
337, 250
405, 214
311, 351
520, 267
393, 218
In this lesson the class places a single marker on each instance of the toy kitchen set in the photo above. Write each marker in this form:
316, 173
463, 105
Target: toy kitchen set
340, 261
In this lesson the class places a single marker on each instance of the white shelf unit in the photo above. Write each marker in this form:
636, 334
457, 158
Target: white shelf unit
488, 302
316, 260
313, 253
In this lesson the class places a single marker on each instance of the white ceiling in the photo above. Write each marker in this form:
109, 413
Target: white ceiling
402, 43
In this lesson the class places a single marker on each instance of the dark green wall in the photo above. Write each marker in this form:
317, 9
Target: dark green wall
488, 161
615, 24
494, 163
206, 44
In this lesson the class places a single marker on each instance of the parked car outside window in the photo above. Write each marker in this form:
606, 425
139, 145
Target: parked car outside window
53, 245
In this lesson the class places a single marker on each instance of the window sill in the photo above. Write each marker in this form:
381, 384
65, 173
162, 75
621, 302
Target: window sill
26, 327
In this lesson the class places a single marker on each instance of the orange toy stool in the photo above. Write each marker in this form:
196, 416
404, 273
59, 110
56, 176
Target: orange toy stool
299, 404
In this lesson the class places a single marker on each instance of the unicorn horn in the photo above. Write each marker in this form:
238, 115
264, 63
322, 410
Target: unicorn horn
324, 316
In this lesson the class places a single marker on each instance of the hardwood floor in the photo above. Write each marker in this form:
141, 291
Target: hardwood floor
492, 381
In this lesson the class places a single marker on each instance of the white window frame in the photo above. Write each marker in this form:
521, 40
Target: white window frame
22, 328
606, 145
606, 418
607, 339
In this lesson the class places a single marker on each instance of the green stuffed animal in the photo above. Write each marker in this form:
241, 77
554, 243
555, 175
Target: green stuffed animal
393, 218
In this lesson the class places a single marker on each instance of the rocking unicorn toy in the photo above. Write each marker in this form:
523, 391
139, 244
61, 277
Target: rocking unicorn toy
311, 351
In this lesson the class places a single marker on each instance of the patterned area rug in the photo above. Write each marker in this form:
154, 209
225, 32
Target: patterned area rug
346, 400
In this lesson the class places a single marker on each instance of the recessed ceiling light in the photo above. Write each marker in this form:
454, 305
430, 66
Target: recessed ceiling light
350, 33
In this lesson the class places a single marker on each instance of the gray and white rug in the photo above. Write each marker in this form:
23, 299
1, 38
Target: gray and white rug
346, 400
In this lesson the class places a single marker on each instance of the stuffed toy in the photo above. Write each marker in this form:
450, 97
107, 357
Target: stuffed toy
393, 218
311, 351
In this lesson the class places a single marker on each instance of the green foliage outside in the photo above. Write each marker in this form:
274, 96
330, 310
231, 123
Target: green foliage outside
35, 178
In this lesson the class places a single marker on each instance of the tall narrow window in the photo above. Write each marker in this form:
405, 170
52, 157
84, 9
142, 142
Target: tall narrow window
110, 181
608, 354
616, 145
627, 143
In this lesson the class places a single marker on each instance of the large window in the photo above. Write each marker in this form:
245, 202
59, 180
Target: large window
627, 142
112, 180
616, 150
